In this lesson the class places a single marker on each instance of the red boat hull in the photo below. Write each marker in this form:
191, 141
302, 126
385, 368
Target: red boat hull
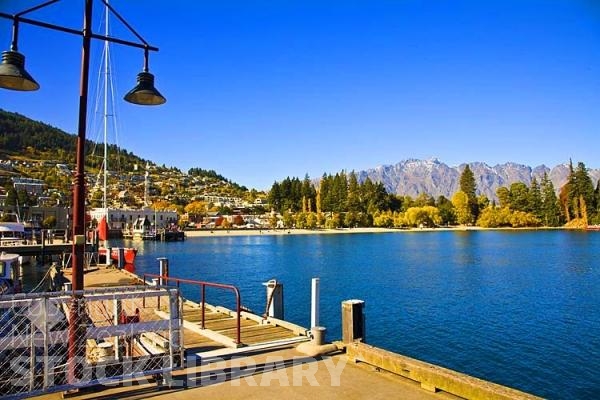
129, 253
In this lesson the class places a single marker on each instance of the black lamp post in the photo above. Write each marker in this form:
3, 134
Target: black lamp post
13, 76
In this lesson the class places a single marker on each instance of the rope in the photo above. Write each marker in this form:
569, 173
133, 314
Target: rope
269, 301
42, 281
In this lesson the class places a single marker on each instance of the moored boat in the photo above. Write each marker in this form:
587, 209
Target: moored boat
143, 230
129, 254
10, 274
12, 231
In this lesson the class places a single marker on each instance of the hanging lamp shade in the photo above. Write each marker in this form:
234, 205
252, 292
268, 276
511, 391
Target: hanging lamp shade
144, 93
12, 73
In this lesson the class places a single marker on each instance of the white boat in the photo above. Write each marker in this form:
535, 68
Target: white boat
10, 274
142, 230
12, 232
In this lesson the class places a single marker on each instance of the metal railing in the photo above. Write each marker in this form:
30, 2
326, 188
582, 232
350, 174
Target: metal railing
120, 340
163, 280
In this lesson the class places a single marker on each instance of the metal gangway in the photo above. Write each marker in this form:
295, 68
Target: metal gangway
116, 339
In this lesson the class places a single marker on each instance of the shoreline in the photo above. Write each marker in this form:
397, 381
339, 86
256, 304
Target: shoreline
284, 232
218, 232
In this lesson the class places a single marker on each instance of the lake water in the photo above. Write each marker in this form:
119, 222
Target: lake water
518, 308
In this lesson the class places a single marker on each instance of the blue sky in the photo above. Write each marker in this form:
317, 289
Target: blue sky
261, 90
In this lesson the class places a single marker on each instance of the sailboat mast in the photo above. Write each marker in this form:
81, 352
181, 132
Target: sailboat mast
106, 111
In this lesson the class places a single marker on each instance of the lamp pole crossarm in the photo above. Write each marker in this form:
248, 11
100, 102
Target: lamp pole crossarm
77, 32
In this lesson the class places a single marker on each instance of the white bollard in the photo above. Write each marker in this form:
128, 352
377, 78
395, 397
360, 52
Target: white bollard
163, 270
108, 261
314, 303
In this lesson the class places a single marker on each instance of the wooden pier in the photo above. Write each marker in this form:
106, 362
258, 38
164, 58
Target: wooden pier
220, 329
40, 249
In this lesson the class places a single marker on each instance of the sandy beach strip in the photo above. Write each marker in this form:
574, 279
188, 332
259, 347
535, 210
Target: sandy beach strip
283, 232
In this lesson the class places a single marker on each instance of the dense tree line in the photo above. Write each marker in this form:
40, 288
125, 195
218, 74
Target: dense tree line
210, 173
335, 193
341, 201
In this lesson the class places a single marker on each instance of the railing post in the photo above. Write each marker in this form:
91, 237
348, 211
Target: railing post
239, 319
155, 284
175, 329
46, 361
203, 303
117, 309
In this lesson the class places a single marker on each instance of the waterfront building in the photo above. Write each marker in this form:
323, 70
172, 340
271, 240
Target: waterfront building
123, 218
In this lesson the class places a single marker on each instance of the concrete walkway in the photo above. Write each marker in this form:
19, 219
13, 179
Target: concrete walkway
281, 373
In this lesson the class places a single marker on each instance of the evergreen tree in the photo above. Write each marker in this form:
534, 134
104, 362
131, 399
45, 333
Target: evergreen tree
569, 195
550, 204
469, 187
394, 202
325, 189
584, 192
286, 195
376, 197
535, 199
308, 191
447, 213
339, 191
353, 203
519, 197
597, 199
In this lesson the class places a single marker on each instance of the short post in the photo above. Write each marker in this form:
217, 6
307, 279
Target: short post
314, 303
274, 299
163, 270
318, 335
42, 249
108, 260
353, 321
155, 283
121, 258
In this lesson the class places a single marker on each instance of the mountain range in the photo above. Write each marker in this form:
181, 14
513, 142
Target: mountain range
413, 177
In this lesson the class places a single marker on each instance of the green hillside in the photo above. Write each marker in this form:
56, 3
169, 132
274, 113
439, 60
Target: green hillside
33, 149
